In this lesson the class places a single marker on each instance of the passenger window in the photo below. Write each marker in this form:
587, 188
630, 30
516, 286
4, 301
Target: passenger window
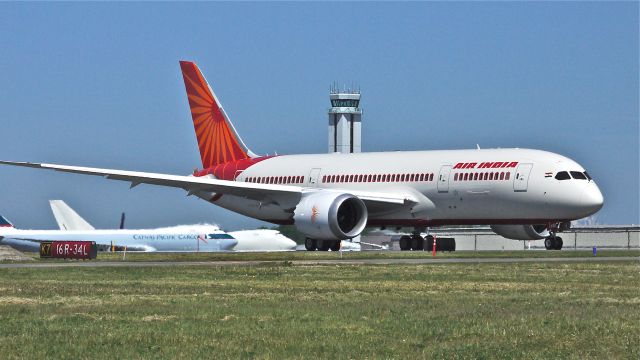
578, 175
501, 176
507, 176
563, 175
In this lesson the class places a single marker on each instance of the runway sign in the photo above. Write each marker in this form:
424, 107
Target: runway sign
84, 250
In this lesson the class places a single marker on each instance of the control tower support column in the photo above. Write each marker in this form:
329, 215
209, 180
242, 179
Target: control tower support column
345, 120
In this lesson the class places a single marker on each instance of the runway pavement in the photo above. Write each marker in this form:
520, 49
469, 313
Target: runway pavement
315, 262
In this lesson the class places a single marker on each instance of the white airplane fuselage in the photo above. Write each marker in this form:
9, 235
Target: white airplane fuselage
261, 240
448, 193
188, 239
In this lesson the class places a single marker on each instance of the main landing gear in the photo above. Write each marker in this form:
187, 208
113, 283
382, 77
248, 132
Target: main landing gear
414, 242
321, 245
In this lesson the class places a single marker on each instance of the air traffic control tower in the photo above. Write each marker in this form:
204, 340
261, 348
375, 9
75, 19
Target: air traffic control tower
345, 119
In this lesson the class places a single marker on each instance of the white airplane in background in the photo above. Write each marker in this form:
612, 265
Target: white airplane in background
523, 194
182, 238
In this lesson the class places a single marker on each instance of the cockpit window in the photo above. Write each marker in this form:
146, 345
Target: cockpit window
578, 175
587, 175
563, 175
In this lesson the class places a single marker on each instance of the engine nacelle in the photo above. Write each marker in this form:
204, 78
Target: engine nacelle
521, 232
330, 216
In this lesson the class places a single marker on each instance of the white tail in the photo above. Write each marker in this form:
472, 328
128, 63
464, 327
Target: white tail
67, 218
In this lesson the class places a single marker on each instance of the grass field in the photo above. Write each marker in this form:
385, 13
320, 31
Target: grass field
321, 255
529, 310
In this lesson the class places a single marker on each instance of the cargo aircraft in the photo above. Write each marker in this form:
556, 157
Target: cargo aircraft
523, 194
181, 238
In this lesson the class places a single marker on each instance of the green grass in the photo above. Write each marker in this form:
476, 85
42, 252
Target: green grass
319, 255
528, 310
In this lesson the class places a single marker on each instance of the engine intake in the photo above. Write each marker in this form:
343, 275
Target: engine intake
521, 232
330, 216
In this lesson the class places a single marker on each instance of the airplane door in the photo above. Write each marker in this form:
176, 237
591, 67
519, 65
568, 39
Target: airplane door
443, 179
313, 176
521, 180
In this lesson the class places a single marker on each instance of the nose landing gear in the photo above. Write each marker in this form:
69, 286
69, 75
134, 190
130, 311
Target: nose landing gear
553, 242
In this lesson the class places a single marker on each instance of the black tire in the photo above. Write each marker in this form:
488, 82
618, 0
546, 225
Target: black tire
549, 243
335, 246
405, 243
310, 244
428, 243
558, 243
323, 245
417, 243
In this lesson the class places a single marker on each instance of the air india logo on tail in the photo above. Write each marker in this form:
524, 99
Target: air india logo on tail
217, 139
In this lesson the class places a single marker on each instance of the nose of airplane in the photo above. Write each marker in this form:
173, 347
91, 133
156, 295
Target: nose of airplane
287, 244
593, 199
228, 244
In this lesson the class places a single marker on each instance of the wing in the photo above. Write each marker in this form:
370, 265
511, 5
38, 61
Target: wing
278, 194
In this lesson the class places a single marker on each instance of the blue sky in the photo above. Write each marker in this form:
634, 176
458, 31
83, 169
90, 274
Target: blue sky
98, 84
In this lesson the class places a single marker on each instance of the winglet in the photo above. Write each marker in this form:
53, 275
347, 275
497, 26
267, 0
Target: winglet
218, 140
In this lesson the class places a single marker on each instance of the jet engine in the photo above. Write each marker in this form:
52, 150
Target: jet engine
521, 232
330, 216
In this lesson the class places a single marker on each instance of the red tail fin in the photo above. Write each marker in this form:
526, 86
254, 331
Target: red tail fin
217, 138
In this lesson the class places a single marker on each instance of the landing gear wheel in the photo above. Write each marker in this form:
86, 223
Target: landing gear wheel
405, 243
428, 243
558, 243
335, 246
549, 243
417, 243
323, 245
310, 244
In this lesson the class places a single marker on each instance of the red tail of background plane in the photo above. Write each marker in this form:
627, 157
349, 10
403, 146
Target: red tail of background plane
218, 140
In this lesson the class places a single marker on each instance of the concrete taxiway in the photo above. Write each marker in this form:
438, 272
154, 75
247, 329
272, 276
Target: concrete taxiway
316, 262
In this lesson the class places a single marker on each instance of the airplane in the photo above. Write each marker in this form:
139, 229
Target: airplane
262, 240
182, 238
522, 194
